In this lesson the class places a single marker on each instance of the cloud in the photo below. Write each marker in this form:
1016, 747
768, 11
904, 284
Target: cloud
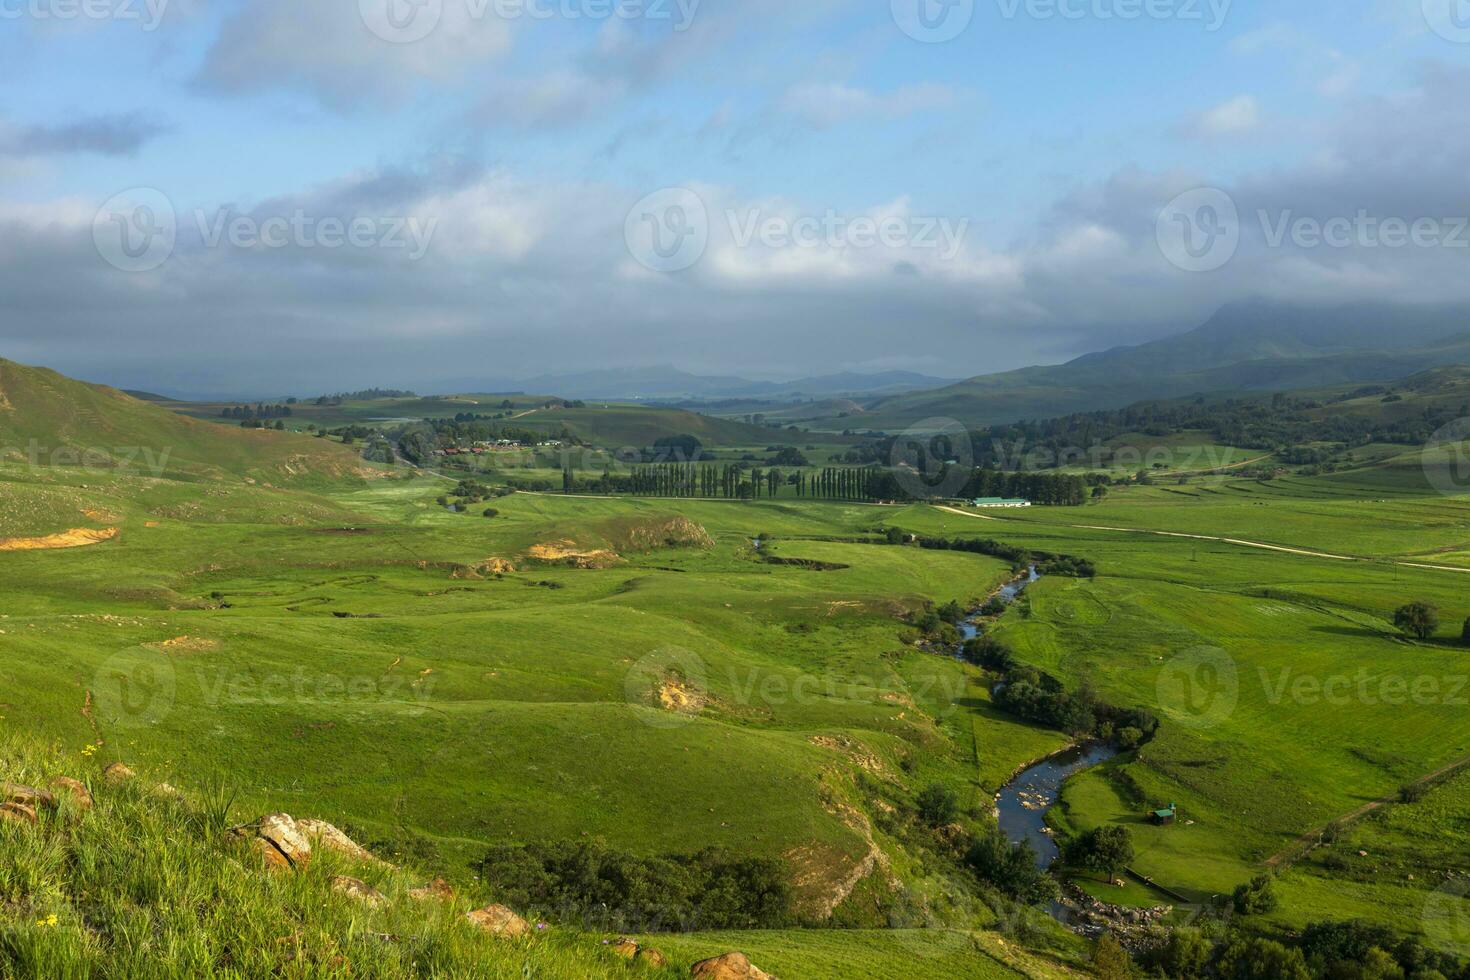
329, 51
1236, 117
823, 105
116, 135
526, 273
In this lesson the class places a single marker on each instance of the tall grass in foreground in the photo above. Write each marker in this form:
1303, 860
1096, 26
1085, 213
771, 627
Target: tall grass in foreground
147, 885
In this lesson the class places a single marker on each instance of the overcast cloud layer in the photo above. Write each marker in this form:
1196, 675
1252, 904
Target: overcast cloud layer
284, 197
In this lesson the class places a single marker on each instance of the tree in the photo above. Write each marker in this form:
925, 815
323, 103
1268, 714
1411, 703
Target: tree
1417, 619
1261, 959
938, 805
1255, 896
1110, 960
1186, 956
1103, 849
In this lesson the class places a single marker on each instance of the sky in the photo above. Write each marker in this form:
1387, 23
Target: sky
259, 197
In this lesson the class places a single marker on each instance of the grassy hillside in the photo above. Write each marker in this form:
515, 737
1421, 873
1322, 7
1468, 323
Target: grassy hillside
47, 419
605, 424
143, 880
1248, 347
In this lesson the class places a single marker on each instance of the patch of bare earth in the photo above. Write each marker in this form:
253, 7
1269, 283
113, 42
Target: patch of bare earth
76, 538
675, 695
481, 569
676, 532
567, 553
824, 876
185, 644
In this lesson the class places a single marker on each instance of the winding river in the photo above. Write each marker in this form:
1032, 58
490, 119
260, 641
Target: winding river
1023, 802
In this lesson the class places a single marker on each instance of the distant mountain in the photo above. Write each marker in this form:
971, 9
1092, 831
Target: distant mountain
1254, 346
672, 384
55, 420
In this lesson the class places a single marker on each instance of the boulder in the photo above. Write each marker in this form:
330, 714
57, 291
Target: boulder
282, 831
649, 956
358, 889
731, 966
271, 857
117, 773
29, 795
81, 797
323, 834
436, 890
11, 812
499, 921
278, 840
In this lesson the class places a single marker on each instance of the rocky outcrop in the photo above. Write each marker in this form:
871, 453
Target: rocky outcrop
21, 813
279, 840
75, 790
325, 835
437, 890
629, 949
117, 773
499, 921
27, 795
731, 966
358, 889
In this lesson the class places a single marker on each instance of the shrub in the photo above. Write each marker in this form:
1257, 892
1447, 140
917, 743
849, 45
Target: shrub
1255, 897
938, 805
611, 890
1010, 869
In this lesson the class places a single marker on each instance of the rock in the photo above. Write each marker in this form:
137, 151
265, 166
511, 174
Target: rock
117, 773
278, 840
29, 795
11, 812
323, 834
358, 889
626, 948
649, 956
165, 791
731, 966
499, 920
436, 890
282, 831
81, 797
269, 854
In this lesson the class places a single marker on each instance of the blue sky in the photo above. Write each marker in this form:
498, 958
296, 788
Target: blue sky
1055, 140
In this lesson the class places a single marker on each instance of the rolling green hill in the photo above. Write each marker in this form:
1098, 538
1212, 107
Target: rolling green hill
48, 419
1245, 347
